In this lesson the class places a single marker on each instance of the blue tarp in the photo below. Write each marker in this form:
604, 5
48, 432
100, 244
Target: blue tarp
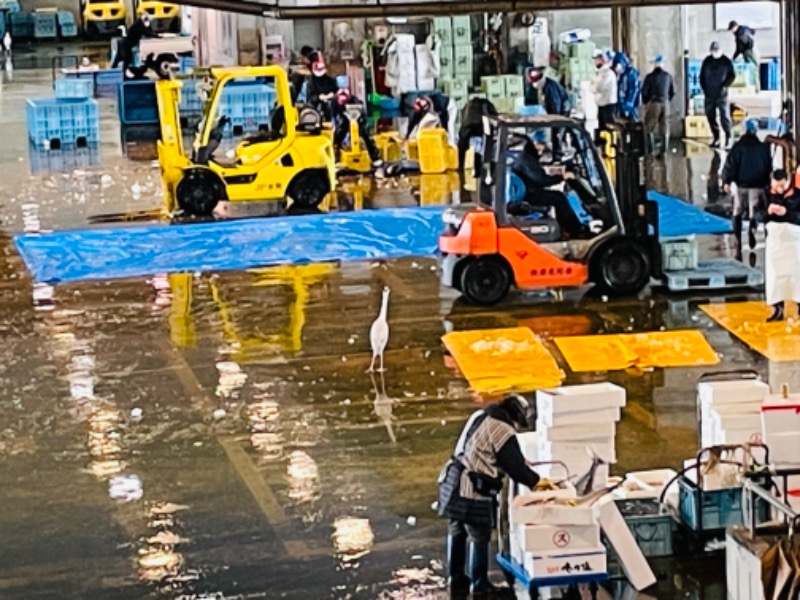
111, 253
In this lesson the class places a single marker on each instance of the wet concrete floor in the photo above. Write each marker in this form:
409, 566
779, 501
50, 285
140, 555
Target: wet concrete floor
216, 435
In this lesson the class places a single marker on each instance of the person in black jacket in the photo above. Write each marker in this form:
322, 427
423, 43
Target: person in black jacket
321, 89
716, 76
528, 167
658, 91
342, 100
552, 95
748, 165
782, 253
486, 451
746, 48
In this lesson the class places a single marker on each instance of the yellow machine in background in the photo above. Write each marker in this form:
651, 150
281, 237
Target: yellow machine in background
433, 152
102, 17
164, 16
248, 345
292, 162
355, 157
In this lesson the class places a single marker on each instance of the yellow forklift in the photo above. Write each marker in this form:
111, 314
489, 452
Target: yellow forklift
291, 163
165, 17
102, 17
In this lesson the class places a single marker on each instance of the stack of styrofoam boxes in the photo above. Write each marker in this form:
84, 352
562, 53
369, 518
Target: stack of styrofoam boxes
495, 90
575, 422
580, 65
426, 75
554, 540
780, 418
730, 410
406, 63
514, 86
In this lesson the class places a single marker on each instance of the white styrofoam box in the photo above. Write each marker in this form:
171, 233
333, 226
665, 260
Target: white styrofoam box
784, 448
780, 417
619, 535
552, 538
573, 418
524, 495
767, 104
556, 565
550, 514
576, 450
539, 47
732, 437
576, 398
731, 392
748, 422
528, 444
405, 43
576, 470
515, 544
656, 479
743, 571
577, 431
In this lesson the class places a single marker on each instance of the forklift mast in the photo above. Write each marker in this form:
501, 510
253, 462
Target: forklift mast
639, 213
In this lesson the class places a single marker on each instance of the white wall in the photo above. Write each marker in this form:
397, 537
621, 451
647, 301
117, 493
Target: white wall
699, 33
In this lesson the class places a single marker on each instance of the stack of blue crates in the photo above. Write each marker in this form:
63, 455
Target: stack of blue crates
248, 106
771, 75
187, 63
137, 103
693, 67
45, 25
58, 122
69, 87
106, 82
191, 104
67, 28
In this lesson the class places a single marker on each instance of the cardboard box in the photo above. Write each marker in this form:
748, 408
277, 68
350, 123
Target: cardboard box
579, 431
577, 398
557, 565
552, 538
732, 392
573, 418
619, 536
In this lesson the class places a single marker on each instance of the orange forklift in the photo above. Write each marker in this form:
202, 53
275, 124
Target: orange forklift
487, 247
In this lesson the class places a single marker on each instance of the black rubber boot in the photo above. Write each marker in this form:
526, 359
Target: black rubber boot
456, 562
751, 234
479, 569
737, 235
664, 144
777, 313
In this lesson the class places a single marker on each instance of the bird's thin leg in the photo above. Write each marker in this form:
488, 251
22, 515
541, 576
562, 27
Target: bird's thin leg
382, 369
372, 364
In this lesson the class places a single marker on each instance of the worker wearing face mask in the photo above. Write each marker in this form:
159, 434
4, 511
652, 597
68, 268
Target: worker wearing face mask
746, 48
604, 86
629, 87
716, 76
486, 451
552, 95
782, 272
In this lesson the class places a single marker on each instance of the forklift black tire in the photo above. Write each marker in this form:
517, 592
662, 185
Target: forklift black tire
621, 267
309, 189
486, 280
199, 192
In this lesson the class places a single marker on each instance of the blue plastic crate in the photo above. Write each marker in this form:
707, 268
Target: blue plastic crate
137, 103
693, 67
12, 6
67, 27
106, 82
58, 122
720, 508
187, 63
248, 106
21, 25
651, 527
59, 161
69, 87
770, 74
191, 104
45, 25
745, 73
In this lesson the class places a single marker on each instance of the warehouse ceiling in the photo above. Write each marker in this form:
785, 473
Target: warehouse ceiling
338, 9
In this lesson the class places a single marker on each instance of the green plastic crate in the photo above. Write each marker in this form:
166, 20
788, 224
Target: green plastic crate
462, 60
493, 87
446, 59
462, 30
583, 50
443, 27
514, 86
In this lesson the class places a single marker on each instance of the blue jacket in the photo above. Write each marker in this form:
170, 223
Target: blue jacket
555, 98
629, 89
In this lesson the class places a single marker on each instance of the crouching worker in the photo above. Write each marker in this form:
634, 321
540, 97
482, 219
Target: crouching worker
342, 118
470, 482
783, 245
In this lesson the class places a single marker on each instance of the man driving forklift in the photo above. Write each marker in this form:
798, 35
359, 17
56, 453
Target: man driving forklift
529, 168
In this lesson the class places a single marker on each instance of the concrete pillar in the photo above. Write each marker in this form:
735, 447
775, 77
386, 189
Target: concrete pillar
790, 43
621, 28
658, 30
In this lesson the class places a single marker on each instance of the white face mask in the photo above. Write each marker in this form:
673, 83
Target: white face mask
716, 53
